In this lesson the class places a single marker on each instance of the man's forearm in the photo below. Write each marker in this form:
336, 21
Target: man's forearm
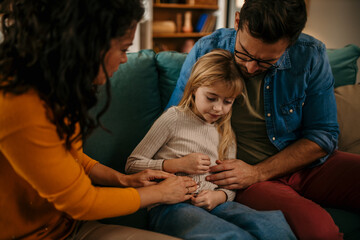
290, 159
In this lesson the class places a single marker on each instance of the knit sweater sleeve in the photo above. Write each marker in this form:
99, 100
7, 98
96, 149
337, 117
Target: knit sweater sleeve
158, 135
31, 145
231, 155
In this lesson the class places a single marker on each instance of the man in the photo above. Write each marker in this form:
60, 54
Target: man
287, 138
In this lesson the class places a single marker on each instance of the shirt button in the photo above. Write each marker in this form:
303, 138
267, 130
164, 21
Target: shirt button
273, 138
269, 114
291, 111
302, 104
267, 87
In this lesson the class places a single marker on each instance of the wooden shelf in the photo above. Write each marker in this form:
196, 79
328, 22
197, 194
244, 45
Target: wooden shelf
180, 35
175, 12
185, 6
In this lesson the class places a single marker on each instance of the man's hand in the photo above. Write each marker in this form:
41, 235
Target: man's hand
233, 174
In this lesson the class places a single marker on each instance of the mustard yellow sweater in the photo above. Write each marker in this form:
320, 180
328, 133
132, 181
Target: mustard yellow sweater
44, 187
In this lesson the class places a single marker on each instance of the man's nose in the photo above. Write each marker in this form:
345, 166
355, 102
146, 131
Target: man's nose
251, 66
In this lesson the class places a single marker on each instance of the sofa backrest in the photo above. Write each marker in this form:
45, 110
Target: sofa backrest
142, 87
140, 90
135, 104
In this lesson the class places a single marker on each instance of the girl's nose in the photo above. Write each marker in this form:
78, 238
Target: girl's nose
217, 106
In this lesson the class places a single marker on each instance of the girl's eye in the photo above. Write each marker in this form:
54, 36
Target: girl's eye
228, 102
211, 99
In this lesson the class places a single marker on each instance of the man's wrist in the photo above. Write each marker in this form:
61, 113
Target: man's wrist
259, 173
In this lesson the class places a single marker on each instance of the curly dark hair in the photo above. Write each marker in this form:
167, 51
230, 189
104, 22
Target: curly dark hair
57, 48
271, 20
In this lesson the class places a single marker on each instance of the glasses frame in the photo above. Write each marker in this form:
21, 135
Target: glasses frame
259, 62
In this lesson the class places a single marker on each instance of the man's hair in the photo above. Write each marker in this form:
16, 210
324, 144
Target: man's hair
57, 48
272, 20
216, 66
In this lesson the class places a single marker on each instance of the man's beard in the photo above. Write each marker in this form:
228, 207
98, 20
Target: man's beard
245, 74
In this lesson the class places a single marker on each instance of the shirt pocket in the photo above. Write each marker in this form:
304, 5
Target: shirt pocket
292, 113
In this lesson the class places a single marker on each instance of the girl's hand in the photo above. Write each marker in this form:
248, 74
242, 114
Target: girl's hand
193, 163
144, 178
208, 199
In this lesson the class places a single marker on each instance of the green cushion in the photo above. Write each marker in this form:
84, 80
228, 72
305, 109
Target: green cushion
169, 65
348, 223
135, 104
343, 63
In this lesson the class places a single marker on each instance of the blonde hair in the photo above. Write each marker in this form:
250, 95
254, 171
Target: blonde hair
216, 66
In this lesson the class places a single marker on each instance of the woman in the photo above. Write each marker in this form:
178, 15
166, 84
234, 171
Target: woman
53, 55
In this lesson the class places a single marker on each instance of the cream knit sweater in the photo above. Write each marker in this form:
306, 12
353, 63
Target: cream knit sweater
176, 134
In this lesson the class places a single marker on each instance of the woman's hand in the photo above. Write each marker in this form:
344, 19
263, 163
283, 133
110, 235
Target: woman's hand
208, 199
170, 191
193, 163
177, 189
144, 178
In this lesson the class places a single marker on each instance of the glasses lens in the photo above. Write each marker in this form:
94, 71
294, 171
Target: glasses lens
247, 58
242, 56
265, 64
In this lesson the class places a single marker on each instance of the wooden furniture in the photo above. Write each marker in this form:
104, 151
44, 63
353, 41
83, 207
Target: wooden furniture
175, 12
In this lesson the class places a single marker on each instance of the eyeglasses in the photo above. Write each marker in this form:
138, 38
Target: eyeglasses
247, 58
261, 63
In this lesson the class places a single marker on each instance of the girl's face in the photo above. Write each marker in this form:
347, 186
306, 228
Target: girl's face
116, 55
213, 102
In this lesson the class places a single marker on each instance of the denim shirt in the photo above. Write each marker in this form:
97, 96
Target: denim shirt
299, 99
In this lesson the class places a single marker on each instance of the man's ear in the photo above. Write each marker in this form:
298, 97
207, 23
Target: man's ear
237, 19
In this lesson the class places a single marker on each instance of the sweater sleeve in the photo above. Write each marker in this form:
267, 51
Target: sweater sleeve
158, 135
231, 155
34, 150
87, 162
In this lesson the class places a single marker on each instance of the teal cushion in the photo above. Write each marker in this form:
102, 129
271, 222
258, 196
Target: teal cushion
169, 65
135, 104
348, 222
343, 63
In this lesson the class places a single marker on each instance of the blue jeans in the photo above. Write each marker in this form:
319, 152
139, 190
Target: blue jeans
229, 220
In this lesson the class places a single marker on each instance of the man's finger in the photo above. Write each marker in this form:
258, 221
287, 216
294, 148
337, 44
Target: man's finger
231, 186
225, 182
220, 175
221, 167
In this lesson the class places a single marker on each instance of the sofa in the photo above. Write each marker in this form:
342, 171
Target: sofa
142, 87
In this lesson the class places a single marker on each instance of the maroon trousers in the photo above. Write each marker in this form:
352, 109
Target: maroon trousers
336, 183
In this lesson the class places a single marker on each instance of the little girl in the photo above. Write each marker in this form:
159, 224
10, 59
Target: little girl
187, 140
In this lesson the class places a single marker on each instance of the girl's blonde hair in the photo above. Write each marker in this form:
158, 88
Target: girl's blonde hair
216, 66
